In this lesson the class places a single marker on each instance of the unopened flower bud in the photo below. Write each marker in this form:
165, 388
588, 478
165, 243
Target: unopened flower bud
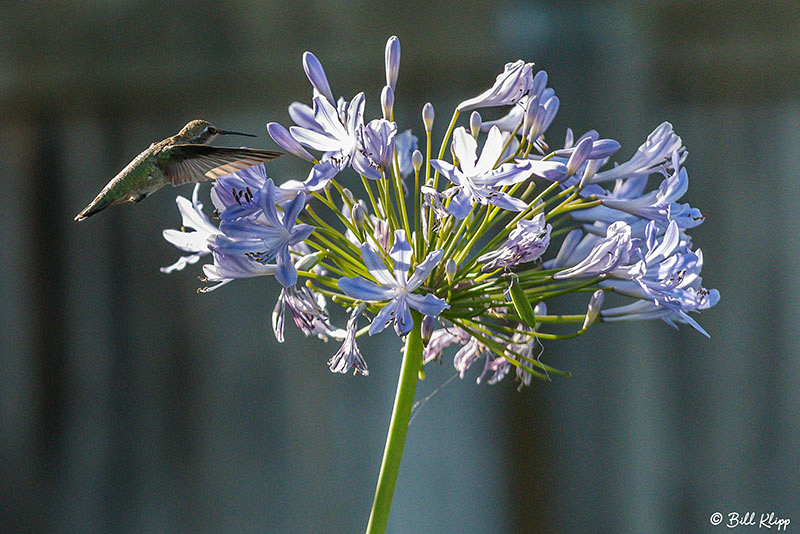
595, 304
427, 329
316, 75
579, 155
349, 194
307, 262
427, 116
450, 269
475, 124
540, 308
357, 215
387, 102
392, 61
589, 171
530, 115
285, 140
416, 160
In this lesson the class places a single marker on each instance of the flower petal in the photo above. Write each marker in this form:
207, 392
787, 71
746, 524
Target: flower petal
424, 270
376, 267
401, 255
362, 289
428, 304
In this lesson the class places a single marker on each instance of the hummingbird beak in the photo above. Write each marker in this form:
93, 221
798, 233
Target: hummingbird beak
228, 132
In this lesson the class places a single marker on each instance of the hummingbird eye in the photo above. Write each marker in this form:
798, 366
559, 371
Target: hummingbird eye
211, 130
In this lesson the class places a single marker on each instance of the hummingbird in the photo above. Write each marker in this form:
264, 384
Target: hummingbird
181, 159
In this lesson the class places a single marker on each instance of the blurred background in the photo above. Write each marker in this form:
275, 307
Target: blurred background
129, 403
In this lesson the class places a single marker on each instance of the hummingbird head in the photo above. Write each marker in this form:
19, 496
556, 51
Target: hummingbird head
203, 132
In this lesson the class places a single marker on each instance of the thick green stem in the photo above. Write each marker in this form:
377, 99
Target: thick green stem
398, 428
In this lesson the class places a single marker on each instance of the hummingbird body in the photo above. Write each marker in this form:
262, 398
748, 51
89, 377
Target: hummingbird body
183, 158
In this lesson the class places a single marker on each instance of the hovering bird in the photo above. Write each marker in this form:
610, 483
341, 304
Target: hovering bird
181, 159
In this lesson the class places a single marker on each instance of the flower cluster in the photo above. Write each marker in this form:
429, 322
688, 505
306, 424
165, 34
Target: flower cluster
511, 225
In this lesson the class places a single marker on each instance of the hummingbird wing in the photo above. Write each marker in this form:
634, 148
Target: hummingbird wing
191, 163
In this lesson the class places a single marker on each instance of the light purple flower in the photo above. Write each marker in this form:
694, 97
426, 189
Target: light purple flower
527, 242
196, 230
509, 86
659, 205
466, 356
668, 275
441, 339
651, 157
268, 236
476, 178
376, 149
397, 288
228, 268
348, 356
608, 255
334, 134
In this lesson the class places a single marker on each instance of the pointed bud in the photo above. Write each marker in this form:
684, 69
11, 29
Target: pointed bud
579, 155
589, 172
595, 304
450, 269
427, 329
540, 309
416, 160
539, 83
392, 61
357, 216
387, 102
307, 262
316, 75
285, 140
475, 124
530, 115
349, 194
427, 116
544, 117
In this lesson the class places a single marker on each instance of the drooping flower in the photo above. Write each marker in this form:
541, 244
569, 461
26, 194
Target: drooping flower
196, 230
348, 356
527, 242
228, 268
268, 236
509, 86
477, 179
398, 289
308, 312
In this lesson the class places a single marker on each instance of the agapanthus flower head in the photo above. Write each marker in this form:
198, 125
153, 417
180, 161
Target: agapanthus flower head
455, 250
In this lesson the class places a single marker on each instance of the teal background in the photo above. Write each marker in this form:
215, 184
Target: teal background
129, 403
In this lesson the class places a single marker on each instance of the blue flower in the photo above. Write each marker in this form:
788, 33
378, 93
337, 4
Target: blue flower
267, 236
196, 230
477, 179
398, 289
239, 194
